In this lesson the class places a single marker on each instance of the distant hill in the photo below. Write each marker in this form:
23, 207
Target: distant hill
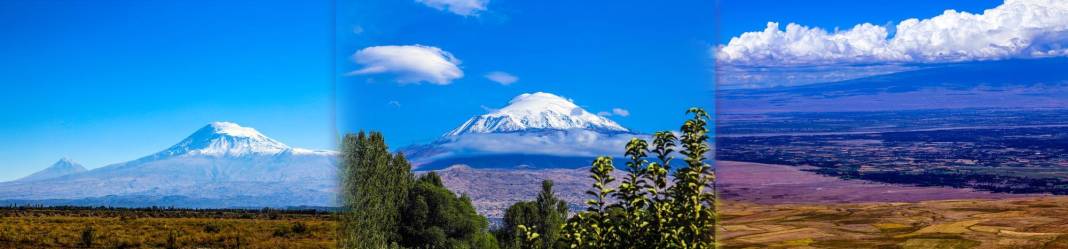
1033, 83
63, 167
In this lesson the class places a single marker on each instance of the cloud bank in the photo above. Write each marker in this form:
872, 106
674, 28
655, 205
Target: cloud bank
459, 7
410, 63
502, 78
1015, 29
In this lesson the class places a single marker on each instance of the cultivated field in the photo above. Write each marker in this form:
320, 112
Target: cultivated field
55, 228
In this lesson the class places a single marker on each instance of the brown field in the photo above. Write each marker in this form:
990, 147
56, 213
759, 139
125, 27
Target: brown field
1032, 222
164, 229
775, 206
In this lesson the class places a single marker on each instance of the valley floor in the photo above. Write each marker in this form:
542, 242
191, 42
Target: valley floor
776, 206
1031, 222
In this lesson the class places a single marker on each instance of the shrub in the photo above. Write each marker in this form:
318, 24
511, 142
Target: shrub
212, 228
87, 237
299, 228
172, 240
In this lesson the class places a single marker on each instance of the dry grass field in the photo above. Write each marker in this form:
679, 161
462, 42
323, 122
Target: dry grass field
37, 228
1031, 222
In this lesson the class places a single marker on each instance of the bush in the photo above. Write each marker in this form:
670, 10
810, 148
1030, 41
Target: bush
212, 228
87, 237
172, 240
299, 228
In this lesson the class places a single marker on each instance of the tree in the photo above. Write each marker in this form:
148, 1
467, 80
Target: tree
375, 184
436, 218
541, 218
553, 212
385, 206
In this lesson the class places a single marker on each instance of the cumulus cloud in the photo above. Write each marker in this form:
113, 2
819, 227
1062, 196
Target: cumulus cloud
410, 63
502, 78
1015, 29
459, 7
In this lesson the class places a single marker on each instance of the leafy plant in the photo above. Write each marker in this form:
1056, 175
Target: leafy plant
647, 212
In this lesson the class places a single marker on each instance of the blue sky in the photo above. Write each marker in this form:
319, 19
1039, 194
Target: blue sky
648, 58
782, 43
108, 81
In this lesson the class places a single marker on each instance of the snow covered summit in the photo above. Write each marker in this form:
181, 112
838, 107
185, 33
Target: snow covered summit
537, 111
225, 139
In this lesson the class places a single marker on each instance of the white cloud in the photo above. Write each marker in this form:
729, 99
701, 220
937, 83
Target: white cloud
410, 64
1015, 29
615, 112
557, 143
459, 7
502, 78
395, 104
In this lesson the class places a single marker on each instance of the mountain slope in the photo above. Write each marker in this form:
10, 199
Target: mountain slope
221, 165
62, 167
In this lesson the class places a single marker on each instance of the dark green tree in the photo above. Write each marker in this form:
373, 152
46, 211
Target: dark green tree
541, 218
374, 186
552, 213
436, 218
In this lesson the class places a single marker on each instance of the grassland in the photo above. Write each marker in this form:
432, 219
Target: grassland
85, 228
1032, 222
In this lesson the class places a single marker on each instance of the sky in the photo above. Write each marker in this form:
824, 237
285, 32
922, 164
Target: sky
417, 69
104, 82
782, 43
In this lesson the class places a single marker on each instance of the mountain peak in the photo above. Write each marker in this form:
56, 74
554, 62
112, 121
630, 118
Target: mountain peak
233, 129
537, 111
225, 139
64, 166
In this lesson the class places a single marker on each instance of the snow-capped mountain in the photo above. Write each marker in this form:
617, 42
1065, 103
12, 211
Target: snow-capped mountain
535, 130
219, 165
537, 111
63, 167
225, 139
